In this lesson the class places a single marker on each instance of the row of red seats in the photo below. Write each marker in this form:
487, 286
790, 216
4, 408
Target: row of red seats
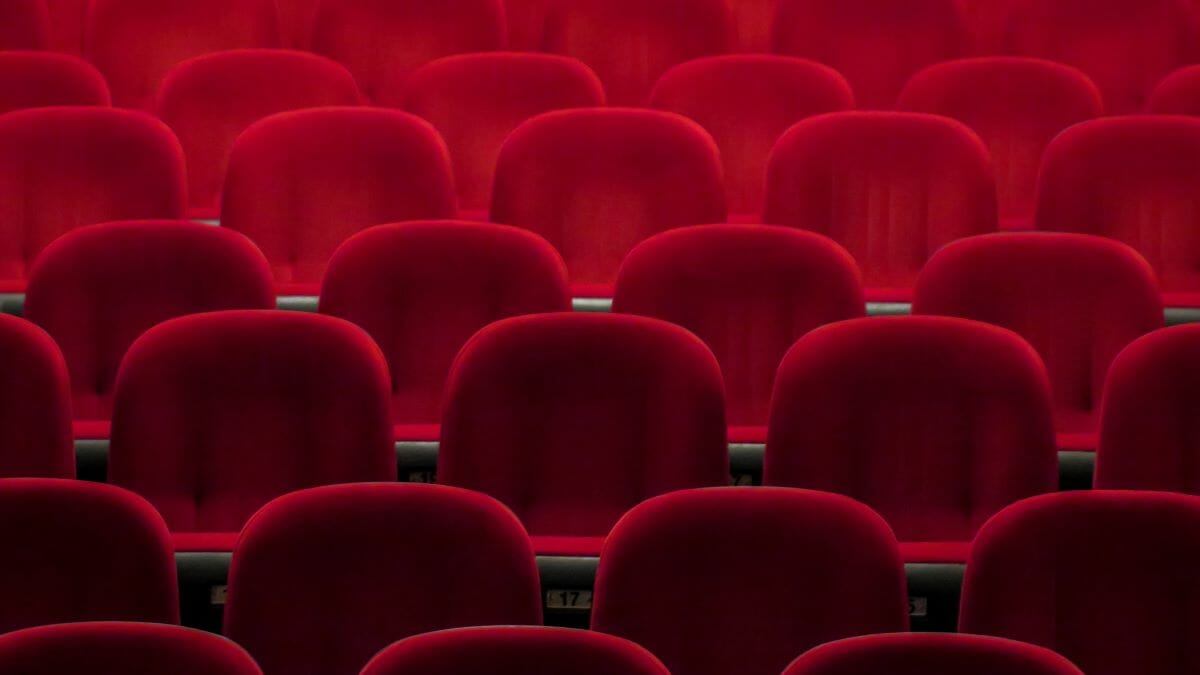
709, 581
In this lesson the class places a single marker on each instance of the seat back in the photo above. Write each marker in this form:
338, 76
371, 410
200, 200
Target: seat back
35, 404
45, 79
915, 653
24, 24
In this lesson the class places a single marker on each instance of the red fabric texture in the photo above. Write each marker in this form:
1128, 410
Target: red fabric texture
61, 168
35, 404
1103, 578
67, 18
97, 289
526, 21
746, 102
748, 291
571, 419
324, 579
422, 289
296, 22
1017, 106
892, 188
211, 99
300, 183
44, 79
742, 580
754, 20
631, 43
476, 100
935, 423
987, 18
916, 653
876, 44
596, 182
216, 414
82, 551
1177, 94
24, 24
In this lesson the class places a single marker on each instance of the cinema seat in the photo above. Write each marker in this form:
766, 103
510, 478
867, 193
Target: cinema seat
916, 653
116, 648
383, 41
596, 182
987, 18
1134, 179
754, 20
61, 168
745, 579
510, 650
35, 404
1100, 577
746, 102
936, 423
748, 291
67, 19
892, 188
79, 551
135, 42
216, 414
572, 419
526, 20
1017, 106
876, 44
44, 79
97, 289
209, 100
24, 24
1178, 94
1079, 300
300, 183
374, 564
422, 289
631, 43
296, 22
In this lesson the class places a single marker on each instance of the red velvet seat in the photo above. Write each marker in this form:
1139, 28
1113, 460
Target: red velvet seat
97, 289
892, 188
526, 20
1178, 93
116, 648
135, 42
876, 44
748, 291
79, 551
324, 579
209, 100
35, 404
300, 183
631, 43
43, 79
1134, 179
67, 18
935, 423
596, 182
744, 579
987, 18
422, 289
61, 168
754, 20
216, 414
296, 22
1103, 578
917, 653
1017, 106
1078, 300
24, 24
571, 419
746, 102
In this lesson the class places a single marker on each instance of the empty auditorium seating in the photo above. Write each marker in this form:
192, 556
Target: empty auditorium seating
97, 289
1079, 300
1101, 577
35, 404
1101, 37
135, 42
78, 551
215, 414
296, 22
1017, 106
743, 580
876, 44
383, 41
209, 100
596, 182
514, 651
1178, 93
300, 183
67, 19
746, 102
24, 24
892, 188
61, 168
630, 43
915, 653
422, 289
41, 79
476, 100
111, 648
571, 419
324, 579
936, 423
1135, 179
748, 291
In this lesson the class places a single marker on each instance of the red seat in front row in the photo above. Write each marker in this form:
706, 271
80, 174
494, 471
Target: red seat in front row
35, 404
44, 79
918, 653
